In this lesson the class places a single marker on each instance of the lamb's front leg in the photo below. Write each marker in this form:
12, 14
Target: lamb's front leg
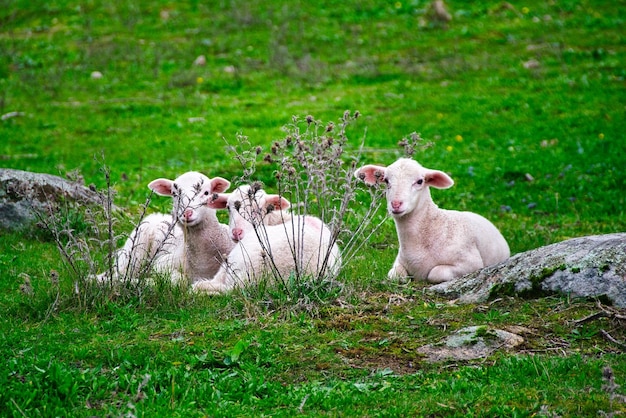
217, 285
398, 271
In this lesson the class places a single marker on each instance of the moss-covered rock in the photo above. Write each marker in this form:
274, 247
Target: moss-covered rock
593, 266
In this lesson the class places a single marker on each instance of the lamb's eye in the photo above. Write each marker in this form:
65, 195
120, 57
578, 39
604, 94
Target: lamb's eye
419, 182
206, 192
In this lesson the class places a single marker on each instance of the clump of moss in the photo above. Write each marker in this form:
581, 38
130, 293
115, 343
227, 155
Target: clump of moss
536, 289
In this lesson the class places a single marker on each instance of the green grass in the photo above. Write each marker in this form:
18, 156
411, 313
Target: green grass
493, 122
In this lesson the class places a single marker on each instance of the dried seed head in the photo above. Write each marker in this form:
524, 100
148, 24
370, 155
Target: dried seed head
357, 114
292, 171
267, 158
362, 176
330, 127
54, 277
607, 373
309, 119
288, 140
258, 150
256, 186
26, 289
270, 208
346, 115
416, 137
214, 197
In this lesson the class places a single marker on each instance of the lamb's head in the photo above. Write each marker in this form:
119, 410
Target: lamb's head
190, 192
407, 183
248, 208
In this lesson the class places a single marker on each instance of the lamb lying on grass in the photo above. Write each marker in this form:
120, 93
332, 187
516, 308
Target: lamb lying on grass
435, 244
189, 244
271, 243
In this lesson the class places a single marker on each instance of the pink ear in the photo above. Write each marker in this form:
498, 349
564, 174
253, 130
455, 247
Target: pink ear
371, 174
279, 202
218, 201
162, 187
219, 185
438, 179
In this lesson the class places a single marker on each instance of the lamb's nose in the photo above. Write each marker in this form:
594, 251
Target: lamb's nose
187, 214
237, 234
395, 204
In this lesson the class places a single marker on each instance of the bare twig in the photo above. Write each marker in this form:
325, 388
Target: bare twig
610, 338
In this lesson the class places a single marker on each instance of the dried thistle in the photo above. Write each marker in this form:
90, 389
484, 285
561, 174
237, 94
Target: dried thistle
54, 277
255, 187
413, 143
611, 387
26, 288
316, 175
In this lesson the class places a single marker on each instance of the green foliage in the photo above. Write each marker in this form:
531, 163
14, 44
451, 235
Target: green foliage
523, 104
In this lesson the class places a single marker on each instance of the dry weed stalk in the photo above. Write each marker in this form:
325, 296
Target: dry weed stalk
315, 173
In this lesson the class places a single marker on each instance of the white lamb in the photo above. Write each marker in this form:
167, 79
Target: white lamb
270, 242
190, 243
435, 244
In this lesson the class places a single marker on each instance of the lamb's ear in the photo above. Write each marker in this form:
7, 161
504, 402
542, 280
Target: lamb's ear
162, 187
438, 179
371, 174
218, 201
219, 185
278, 202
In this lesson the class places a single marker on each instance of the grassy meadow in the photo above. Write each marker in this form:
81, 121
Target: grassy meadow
524, 104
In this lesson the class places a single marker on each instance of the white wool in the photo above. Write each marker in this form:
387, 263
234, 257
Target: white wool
270, 242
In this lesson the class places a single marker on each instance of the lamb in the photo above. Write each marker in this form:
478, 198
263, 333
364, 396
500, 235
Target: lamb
188, 244
435, 244
270, 242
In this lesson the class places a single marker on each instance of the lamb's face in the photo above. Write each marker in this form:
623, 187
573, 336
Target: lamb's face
248, 208
244, 211
190, 192
407, 183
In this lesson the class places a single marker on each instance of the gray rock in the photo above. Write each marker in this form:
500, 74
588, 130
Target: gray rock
23, 194
469, 344
592, 266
